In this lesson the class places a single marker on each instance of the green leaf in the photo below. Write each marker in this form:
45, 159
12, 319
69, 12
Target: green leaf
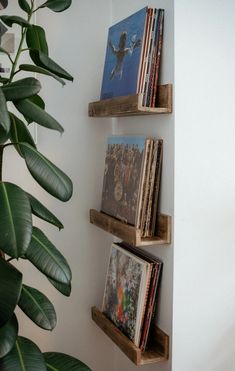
25, 356
21, 89
10, 288
15, 220
63, 362
5, 122
10, 20
36, 39
49, 176
36, 99
36, 114
24, 6
8, 335
41, 70
57, 5
63, 288
45, 256
37, 307
19, 133
42, 60
42, 212
4, 80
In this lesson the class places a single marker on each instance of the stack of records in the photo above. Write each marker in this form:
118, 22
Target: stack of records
130, 295
132, 181
133, 56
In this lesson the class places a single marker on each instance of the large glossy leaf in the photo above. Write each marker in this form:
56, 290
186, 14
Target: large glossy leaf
8, 335
63, 362
10, 20
36, 114
63, 288
19, 133
45, 256
15, 220
35, 99
24, 6
42, 212
21, 89
5, 122
36, 39
41, 70
25, 356
57, 5
49, 176
42, 60
37, 307
10, 288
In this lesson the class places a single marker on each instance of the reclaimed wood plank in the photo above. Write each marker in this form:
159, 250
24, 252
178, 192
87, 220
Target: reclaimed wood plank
153, 355
131, 105
131, 234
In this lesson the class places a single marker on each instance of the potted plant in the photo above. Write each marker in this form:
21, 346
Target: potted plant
19, 239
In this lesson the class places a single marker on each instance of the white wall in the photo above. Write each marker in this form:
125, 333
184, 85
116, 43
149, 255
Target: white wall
204, 252
77, 40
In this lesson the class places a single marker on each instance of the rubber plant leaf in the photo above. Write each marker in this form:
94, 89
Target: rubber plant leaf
15, 220
21, 89
8, 335
57, 5
25, 356
19, 133
36, 114
5, 121
24, 6
42, 60
49, 176
63, 362
42, 212
45, 256
37, 307
9, 20
63, 288
10, 288
36, 39
41, 70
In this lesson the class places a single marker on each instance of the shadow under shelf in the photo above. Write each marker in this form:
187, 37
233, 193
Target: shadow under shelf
158, 351
131, 234
131, 105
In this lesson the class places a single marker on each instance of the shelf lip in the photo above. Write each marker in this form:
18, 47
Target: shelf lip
159, 352
129, 233
131, 105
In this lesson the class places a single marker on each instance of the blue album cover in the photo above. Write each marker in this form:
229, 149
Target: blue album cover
123, 54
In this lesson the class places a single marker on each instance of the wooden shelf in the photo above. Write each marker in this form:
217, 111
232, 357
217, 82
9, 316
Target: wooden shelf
131, 234
158, 352
132, 105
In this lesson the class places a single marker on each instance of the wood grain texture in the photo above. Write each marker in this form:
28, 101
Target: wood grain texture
128, 347
132, 105
130, 234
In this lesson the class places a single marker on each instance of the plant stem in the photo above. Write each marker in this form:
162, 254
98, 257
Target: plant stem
1, 158
20, 47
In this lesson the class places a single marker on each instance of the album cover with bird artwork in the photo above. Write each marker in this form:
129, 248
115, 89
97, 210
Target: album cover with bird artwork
123, 56
125, 291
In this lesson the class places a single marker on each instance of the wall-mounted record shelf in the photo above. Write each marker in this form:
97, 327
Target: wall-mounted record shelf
131, 234
132, 105
158, 351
